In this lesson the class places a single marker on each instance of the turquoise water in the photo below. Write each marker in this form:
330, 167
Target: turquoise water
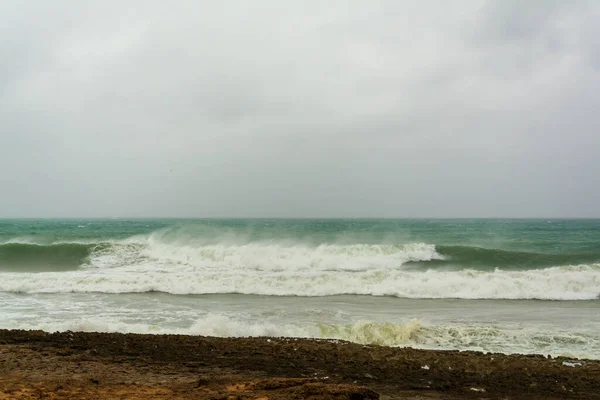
554, 236
528, 286
479, 244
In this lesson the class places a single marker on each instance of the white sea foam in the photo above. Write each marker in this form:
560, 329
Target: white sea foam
20, 240
558, 283
412, 333
153, 263
276, 256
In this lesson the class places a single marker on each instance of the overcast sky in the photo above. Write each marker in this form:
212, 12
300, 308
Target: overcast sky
300, 108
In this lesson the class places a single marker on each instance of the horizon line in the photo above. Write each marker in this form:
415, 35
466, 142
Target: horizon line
290, 218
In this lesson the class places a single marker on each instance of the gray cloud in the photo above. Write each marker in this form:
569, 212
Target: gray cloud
477, 108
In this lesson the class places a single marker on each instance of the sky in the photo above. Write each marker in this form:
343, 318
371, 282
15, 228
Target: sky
147, 108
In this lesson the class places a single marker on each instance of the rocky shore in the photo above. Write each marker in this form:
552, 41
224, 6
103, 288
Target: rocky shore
76, 365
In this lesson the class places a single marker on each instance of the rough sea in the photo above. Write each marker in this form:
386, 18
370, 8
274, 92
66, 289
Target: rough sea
510, 286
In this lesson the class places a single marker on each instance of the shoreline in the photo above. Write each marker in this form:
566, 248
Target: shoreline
80, 365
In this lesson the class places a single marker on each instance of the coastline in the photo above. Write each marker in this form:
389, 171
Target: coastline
78, 365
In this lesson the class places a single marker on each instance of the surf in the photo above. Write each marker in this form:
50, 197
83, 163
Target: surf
557, 283
410, 333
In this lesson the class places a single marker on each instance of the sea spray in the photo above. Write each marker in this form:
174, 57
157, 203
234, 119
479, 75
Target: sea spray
368, 281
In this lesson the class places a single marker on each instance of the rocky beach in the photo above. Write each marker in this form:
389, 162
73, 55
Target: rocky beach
77, 365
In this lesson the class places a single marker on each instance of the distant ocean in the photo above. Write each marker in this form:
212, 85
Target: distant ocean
510, 286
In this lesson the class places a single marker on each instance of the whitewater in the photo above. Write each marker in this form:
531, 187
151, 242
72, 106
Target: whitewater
489, 285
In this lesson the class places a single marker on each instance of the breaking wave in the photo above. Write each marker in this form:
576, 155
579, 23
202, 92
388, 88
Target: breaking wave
557, 283
171, 262
413, 333
482, 258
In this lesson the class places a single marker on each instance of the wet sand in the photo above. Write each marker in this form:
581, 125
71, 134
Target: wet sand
75, 365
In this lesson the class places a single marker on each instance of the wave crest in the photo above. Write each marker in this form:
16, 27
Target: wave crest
151, 263
32, 257
488, 259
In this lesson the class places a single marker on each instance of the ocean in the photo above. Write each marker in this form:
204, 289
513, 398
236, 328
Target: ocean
508, 286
